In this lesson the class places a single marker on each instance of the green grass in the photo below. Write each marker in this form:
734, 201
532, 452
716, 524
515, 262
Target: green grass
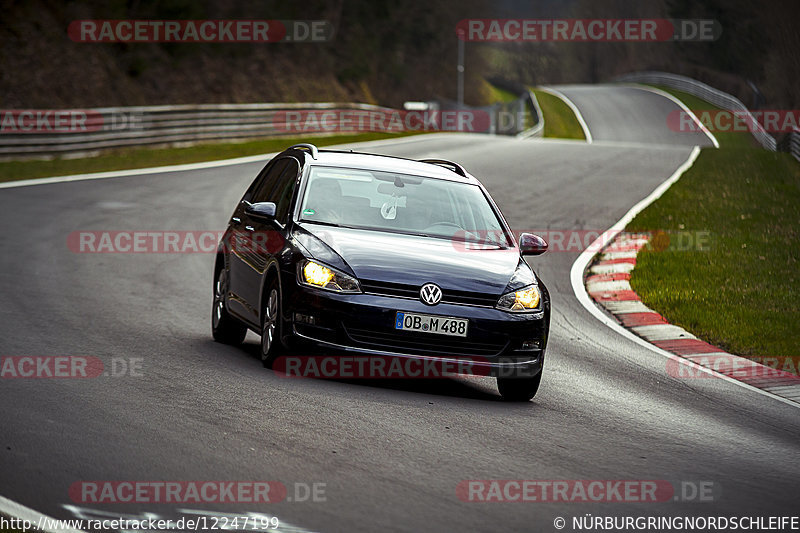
152, 157
729, 139
496, 94
740, 292
559, 120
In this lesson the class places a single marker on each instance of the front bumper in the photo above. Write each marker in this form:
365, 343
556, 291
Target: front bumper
364, 324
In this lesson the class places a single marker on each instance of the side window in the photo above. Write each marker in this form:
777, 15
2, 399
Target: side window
248, 195
263, 189
284, 191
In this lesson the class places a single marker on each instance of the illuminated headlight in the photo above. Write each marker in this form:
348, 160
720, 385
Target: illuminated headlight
317, 275
525, 299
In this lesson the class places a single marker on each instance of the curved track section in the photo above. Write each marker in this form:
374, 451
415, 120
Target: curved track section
620, 113
390, 453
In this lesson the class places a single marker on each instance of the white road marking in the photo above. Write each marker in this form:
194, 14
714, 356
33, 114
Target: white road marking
562, 96
679, 103
612, 268
628, 254
608, 286
583, 260
626, 306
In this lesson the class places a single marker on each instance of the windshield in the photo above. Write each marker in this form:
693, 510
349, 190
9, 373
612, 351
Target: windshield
400, 203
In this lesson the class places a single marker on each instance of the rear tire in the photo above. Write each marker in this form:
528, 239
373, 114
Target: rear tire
224, 327
519, 389
270, 326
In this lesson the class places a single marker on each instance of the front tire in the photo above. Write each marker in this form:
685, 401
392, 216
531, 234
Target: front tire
270, 326
224, 327
519, 389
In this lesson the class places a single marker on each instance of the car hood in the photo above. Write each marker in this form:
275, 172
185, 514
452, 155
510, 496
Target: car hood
415, 260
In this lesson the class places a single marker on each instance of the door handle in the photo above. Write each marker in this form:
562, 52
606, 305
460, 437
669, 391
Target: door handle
236, 221
249, 228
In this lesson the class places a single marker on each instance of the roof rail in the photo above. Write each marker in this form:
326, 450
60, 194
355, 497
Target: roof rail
305, 146
455, 167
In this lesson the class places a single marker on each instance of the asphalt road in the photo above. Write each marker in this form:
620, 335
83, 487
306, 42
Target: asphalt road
389, 453
630, 114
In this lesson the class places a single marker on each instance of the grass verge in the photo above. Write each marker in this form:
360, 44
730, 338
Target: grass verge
144, 157
494, 94
559, 120
738, 289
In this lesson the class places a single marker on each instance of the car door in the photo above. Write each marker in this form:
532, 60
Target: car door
243, 258
266, 238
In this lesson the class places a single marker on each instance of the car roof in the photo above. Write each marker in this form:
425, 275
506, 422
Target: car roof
385, 163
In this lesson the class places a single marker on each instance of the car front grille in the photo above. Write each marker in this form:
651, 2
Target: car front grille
424, 344
399, 290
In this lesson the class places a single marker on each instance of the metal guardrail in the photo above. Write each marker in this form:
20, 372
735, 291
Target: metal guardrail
121, 127
538, 129
794, 143
118, 127
706, 92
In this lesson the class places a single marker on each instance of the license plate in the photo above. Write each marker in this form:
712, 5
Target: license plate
441, 325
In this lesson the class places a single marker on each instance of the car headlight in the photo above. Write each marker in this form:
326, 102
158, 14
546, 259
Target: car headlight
526, 299
317, 275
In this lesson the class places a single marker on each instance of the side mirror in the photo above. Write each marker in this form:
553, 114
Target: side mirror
262, 210
530, 244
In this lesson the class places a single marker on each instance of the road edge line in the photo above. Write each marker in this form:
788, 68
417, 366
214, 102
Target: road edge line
574, 108
677, 101
582, 262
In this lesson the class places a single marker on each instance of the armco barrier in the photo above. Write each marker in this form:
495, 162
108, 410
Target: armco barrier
706, 92
168, 124
537, 130
119, 127
794, 143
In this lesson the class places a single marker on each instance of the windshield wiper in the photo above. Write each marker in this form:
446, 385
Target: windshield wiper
479, 242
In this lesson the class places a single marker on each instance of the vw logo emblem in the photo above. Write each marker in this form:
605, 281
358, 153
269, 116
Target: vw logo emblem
430, 294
